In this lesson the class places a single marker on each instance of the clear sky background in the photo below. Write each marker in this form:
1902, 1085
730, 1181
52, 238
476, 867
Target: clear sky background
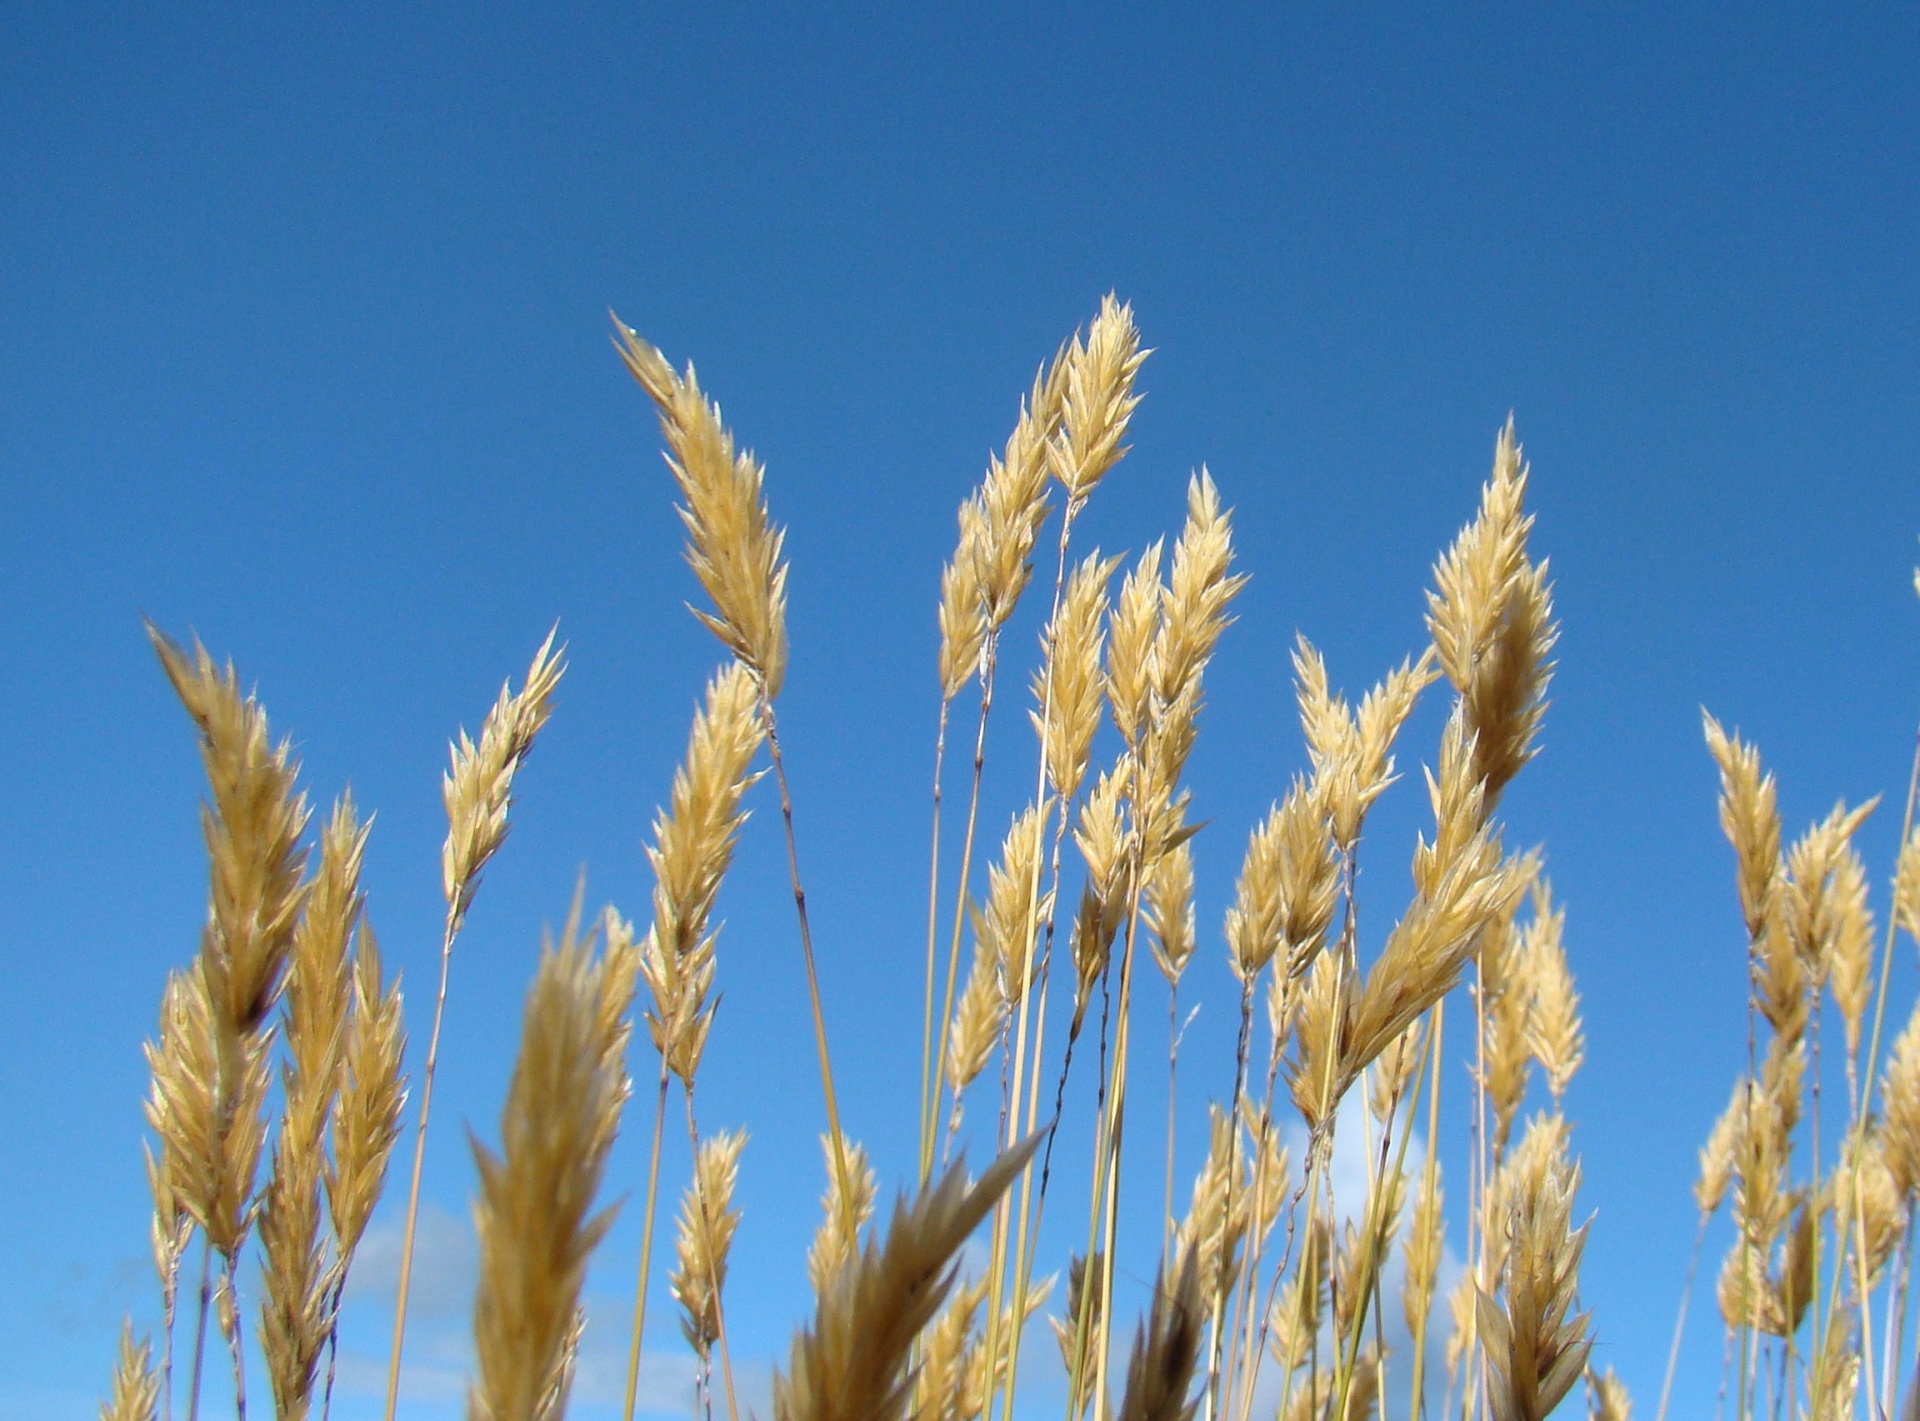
303, 347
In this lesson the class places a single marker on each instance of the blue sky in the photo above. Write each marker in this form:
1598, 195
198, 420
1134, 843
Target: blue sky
305, 350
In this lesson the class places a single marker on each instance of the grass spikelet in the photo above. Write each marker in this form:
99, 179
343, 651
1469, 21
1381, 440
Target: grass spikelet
1717, 1155
1169, 912
1535, 1344
478, 786
732, 546
1069, 683
1011, 906
532, 1210
253, 827
294, 1274
1209, 1237
1289, 887
1352, 755
1013, 495
183, 1109
1851, 955
136, 1386
1906, 888
1133, 629
693, 847
1098, 400
1610, 1400
945, 1352
1900, 1098
1750, 817
1166, 1352
845, 1210
1553, 1023
707, 1224
1491, 617
963, 614
366, 1113
1426, 1239
976, 1021
851, 1363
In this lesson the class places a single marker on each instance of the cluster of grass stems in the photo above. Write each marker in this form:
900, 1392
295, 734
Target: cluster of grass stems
1272, 1296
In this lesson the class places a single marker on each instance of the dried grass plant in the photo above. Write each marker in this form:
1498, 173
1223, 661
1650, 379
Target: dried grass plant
1272, 1289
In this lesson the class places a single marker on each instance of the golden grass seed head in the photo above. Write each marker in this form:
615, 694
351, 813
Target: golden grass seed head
963, 611
1098, 400
1393, 1072
707, 1225
366, 1112
478, 785
734, 549
845, 1210
253, 827
1717, 1155
1838, 1376
1536, 1345
1554, 1033
1750, 817
1133, 632
1069, 687
1209, 1236
1850, 956
976, 1386
294, 1272
1012, 913
1459, 805
532, 1213
1096, 923
977, 1020
1900, 1104
1869, 1210
1610, 1399
1906, 888
1295, 1318
1780, 978
1013, 496
1812, 892
136, 1385
182, 1109
1314, 1076
319, 991
1425, 1244
1168, 909
1199, 590
850, 1364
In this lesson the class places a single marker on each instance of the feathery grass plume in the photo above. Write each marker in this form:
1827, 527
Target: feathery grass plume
963, 611
295, 1271
366, 1112
1295, 1318
1906, 888
183, 1110
1069, 684
1850, 956
1133, 627
1193, 614
1900, 1099
1168, 909
1013, 494
253, 827
478, 785
1011, 885
975, 1385
1873, 1228
976, 1022
1750, 816
1459, 803
707, 1224
693, 846
732, 547
846, 1208
1289, 887
1166, 1350
1812, 905
1491, 617
1352, 755
477, 790
136, 1386
1553, 1024
1426, 1241
1083, 1296
1098, 401
1717, 1155
1420, 964
532, 1210
851, 1363
1102, 838
1536, 1345
1610, 1401
1506, 991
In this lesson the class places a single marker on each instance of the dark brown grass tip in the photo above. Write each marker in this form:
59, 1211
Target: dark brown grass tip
1166, 1351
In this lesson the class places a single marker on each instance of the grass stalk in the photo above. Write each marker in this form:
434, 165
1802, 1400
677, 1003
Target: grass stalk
646, 1248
